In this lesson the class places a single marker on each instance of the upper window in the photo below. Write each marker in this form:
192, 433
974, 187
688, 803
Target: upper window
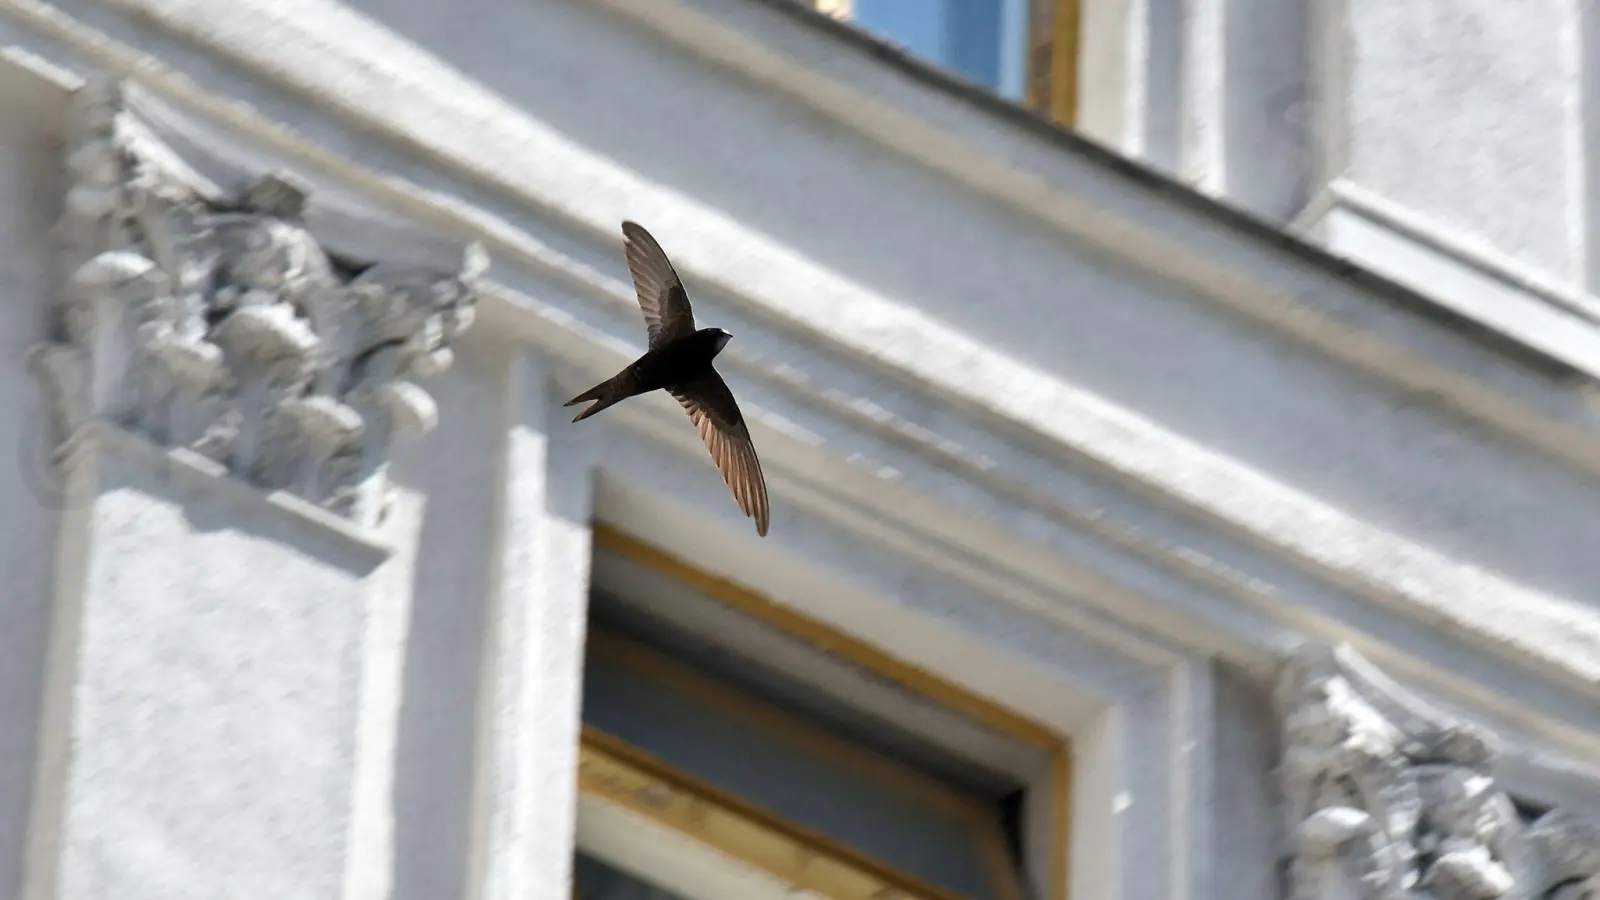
727, 740
1023, 50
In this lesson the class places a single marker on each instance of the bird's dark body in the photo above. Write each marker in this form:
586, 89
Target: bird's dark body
672, 364
678, 360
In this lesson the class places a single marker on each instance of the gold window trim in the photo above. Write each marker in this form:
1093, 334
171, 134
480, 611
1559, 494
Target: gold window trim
630, 655
1058, 786
1053, 58
621, 773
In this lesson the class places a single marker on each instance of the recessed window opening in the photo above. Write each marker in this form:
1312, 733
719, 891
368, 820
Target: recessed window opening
784, 740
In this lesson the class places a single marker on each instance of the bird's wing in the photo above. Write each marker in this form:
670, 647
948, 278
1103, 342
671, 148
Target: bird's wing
716, 416
662, 299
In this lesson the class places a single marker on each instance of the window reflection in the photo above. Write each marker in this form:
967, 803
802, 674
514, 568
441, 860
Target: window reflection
964, 35
593, 879
1026, 51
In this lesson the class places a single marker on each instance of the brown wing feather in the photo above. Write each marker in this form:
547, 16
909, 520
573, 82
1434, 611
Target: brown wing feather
662, 299
716, 416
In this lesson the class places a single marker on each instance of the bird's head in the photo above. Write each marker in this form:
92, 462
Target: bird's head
719, 338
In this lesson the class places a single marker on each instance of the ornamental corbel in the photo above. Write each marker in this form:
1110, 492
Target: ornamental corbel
218, 322
1389, 798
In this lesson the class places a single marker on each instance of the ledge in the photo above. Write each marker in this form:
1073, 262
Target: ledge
1476, 280
366, 548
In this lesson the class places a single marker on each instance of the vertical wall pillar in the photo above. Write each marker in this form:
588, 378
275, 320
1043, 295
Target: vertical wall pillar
527, 785
1246, 112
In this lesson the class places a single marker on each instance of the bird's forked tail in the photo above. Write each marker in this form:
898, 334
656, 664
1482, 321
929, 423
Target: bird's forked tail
606, 393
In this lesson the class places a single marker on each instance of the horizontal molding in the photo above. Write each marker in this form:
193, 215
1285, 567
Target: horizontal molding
1127, 602
559, 337
1481, 256
435, 112
1551, 636
592, 352
363, 548
1544, 313
1542, 637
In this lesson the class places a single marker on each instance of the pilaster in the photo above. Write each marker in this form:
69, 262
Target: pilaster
532, 685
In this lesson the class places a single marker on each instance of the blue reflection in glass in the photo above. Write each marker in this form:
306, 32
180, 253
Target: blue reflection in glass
965, 35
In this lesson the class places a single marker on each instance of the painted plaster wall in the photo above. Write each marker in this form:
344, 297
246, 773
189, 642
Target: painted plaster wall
1451, 146
1468, 113
490, 516
1247, 815
217, 679
1457, 147
233, 678
1063, 308
1406, 467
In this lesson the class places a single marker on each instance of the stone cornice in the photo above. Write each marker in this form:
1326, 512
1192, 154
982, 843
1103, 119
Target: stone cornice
1387, 798
216, 322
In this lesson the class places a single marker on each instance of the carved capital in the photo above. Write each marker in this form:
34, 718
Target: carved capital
1390, 799
219, 323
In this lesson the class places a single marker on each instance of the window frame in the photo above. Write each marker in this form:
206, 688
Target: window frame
1055, 787
617, 771
1041, 62
1052, 58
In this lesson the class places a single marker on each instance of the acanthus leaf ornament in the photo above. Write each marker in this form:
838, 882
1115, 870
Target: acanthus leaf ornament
1390, 799
220, 324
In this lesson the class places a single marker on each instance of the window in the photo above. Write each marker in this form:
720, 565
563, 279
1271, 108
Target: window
594, 879
733, 747
1023, 50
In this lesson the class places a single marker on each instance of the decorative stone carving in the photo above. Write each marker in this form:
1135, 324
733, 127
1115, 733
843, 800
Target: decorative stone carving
1389, 799
218, 323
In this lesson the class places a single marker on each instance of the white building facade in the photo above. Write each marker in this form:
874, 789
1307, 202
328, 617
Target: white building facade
1179, 420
